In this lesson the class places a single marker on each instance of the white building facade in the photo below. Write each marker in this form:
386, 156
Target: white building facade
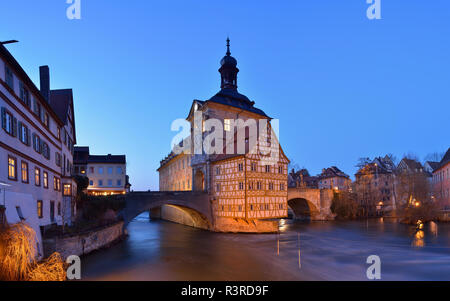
36, 149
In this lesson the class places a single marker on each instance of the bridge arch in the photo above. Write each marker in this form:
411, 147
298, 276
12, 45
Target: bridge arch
190, 208
303, 208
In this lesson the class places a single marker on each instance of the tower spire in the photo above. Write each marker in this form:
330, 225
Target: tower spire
228, 46
228, 70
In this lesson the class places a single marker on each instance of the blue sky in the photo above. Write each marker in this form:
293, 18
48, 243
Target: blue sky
343, 86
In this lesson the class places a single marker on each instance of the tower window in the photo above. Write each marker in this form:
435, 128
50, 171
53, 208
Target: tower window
227, 125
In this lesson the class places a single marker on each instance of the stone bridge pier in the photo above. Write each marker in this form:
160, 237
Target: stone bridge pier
309, 203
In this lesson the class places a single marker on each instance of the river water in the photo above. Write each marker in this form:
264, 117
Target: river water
160, 250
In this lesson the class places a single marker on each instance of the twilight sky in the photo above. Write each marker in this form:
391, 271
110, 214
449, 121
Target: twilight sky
342, 86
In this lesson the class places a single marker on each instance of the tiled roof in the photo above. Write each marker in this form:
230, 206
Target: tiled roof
331, 172
233, 98
117, 159
60, 102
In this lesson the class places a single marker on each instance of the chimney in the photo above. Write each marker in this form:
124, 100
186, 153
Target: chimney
44, 73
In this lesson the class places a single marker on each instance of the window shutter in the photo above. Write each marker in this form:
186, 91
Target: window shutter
34, 141
35, 106
20, 130
14, 127
3, 118
22, 97
28, 137
40, 145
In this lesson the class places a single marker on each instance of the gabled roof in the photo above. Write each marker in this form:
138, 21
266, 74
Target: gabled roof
445, 160
411, 164
81, 154
61, 101
230, 97
332, 172
433, 165
12, 62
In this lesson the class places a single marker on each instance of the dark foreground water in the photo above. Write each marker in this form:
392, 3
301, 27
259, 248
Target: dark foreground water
159, 250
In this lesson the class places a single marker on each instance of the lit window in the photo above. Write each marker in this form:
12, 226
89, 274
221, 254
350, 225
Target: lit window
227, 125
45, 179
25, 172
37, 176
67, 190
12, 168
40, 210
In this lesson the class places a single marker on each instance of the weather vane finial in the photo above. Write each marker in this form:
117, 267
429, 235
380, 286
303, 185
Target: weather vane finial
228, 46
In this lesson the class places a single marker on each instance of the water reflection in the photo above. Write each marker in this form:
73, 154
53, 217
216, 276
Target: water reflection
419, 241
306, 251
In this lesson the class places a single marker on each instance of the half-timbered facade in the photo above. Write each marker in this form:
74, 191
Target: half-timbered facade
249, 184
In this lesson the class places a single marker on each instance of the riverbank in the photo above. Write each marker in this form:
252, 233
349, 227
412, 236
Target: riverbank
85, 242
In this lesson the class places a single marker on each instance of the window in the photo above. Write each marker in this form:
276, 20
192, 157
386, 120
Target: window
19, 213
270, 186
110, 170
9, 78
56, 184
250, 186
91, 169
45, 150
46, 120
25, 178
12, 168
217, 187
100, 170
45, 180
100, 182
24, 133
119, 170
110, 183
9, 123
91, 183
240, 167
217, 170
253, 166
58, 159
67, 189
280, 169
267, 168
40, 209
227, 125
37, 176
259, 185
241, 185
37, 143
119, 183
281, 186
24, 94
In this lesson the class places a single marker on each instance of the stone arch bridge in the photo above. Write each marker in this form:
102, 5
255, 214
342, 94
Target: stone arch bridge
195, 209
311, 203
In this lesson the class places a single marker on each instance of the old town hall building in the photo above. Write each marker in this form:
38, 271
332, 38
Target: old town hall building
245, 185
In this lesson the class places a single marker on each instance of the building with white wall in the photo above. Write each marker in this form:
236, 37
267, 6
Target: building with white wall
36, 148
107, 174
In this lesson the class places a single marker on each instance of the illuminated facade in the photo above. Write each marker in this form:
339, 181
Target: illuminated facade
36, 149
248, 184
106, 174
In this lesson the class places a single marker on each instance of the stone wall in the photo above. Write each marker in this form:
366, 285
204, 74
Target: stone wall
83, 243
237, 225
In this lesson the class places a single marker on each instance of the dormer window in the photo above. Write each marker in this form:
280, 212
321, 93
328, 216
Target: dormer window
9, 78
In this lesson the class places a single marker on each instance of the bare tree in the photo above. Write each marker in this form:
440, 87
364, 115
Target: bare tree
434, 157
362, 162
